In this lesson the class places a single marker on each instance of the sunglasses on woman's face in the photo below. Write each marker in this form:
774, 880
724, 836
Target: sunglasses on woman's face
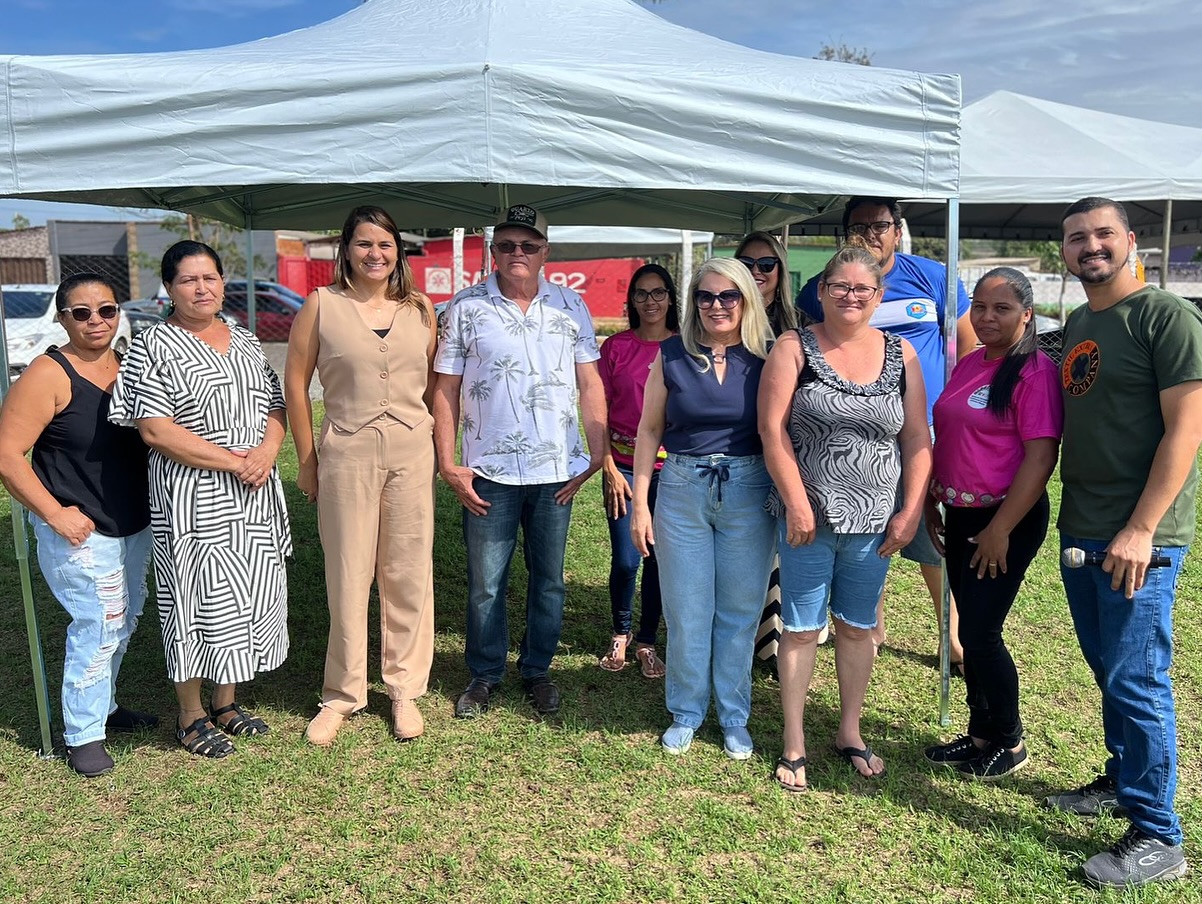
765, 264
83, 315
725, 299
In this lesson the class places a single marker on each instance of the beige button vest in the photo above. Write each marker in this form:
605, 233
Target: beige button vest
365, 377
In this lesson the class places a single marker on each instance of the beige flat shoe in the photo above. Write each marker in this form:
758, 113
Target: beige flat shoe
407, 721
324, 726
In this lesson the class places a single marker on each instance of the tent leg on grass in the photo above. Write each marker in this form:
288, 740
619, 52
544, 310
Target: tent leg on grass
950, 317
21, 547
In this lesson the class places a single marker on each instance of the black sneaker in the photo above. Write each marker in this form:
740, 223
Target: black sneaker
473, 701
994, 764
1136, 859
542, 694
1099, 796
961, 750
90, 760
122, 719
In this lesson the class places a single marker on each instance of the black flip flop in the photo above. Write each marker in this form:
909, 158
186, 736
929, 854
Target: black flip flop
850, 753
792, 766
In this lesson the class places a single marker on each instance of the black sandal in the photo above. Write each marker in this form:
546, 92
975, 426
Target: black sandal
792, 766
209, 741
243, 723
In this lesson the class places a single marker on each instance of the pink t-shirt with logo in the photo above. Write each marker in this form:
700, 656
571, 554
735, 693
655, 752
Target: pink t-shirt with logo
976, 453
625, 365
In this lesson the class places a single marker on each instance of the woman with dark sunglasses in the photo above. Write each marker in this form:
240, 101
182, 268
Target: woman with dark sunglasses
711, 533
766, 258
763, 254
86, 492
626, 360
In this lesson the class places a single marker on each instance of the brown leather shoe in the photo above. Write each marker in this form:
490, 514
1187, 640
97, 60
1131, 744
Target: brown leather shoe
407, 721
324, 726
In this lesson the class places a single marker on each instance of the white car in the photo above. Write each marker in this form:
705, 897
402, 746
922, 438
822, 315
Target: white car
32, 324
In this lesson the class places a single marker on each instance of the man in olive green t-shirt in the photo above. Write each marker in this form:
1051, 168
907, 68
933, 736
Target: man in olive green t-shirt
1132, 379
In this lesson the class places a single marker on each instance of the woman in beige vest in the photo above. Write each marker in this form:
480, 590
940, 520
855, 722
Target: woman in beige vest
370, 336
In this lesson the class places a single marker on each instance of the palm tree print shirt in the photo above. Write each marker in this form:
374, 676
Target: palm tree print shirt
520, 422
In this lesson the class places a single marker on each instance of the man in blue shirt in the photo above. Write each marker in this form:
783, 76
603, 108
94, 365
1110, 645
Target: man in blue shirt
913, 307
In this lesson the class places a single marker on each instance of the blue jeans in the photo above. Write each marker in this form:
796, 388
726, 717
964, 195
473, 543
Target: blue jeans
102, 585
844, 571
624, 569
1129, 646
491, 539
714, 541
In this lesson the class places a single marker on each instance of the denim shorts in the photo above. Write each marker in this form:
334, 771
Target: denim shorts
845, 571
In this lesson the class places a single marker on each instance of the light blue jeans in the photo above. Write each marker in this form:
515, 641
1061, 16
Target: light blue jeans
102, 585
1128, 644
714, 543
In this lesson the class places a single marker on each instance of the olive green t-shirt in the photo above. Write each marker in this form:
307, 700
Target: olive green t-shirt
1116, 362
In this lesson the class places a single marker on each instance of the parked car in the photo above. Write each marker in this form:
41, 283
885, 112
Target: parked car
276, 307
142, 313
32, 325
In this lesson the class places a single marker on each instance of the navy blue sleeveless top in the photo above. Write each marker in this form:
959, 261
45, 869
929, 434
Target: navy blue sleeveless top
705, 417
85, 461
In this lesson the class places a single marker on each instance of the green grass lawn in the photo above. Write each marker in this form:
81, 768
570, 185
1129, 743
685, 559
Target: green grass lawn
582, 808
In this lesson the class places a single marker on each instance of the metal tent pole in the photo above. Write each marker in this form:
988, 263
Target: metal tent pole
37, 663
950, 317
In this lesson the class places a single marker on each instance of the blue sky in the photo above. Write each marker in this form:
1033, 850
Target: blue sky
1105, 55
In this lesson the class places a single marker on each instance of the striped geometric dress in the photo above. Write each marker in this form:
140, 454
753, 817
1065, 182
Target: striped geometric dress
219, 547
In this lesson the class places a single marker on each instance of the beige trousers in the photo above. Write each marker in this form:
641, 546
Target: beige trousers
375, 513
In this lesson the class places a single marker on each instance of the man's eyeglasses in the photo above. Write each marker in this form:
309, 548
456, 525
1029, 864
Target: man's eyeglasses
842, 290
725, 299
528, 248
765, 264
83, 315
880, 227
640, 296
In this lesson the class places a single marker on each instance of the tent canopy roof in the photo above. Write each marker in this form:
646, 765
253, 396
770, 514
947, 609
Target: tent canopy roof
444, 111
1023, 160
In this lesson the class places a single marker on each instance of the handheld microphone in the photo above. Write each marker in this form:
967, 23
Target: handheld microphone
1075, 558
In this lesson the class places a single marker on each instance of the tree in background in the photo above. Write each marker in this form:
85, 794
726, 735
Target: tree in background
844, 53
228, 241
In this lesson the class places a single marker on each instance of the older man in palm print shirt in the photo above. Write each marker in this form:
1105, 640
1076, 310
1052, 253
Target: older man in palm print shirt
514, 353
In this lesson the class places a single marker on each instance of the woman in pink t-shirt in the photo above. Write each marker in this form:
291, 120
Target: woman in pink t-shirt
997, 433
625, 363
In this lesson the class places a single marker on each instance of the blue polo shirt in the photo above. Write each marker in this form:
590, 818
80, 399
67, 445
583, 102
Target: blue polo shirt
913, 306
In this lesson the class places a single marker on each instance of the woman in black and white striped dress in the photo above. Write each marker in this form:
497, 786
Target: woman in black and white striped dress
842, 414
209, 406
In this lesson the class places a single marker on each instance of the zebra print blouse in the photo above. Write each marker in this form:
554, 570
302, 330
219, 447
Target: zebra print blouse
844, 435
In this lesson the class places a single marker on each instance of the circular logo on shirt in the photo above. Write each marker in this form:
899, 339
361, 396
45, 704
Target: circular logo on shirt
1080, 367
980, 398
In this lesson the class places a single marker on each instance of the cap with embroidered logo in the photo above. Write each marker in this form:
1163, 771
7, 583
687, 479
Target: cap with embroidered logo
527, 217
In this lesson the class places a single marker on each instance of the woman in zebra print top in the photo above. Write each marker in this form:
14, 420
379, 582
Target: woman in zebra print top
210, 408
842, 414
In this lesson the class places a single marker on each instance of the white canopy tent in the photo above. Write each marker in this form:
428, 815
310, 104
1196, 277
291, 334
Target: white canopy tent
597, 112
1023, 160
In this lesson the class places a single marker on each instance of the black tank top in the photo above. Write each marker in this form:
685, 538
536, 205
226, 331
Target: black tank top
85, 461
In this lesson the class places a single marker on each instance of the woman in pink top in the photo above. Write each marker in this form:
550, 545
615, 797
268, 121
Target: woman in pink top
625, 364
997, 433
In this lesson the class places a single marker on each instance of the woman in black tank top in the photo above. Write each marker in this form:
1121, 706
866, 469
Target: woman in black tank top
86, 492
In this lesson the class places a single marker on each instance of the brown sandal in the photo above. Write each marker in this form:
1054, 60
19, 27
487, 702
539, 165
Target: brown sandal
652, 666
615, 659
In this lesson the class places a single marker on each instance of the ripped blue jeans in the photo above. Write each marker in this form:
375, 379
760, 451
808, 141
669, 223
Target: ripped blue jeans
102, 585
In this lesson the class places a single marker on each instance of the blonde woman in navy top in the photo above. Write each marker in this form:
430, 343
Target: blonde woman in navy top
711, 533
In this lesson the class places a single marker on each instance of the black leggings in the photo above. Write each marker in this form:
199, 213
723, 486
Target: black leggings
983, 604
